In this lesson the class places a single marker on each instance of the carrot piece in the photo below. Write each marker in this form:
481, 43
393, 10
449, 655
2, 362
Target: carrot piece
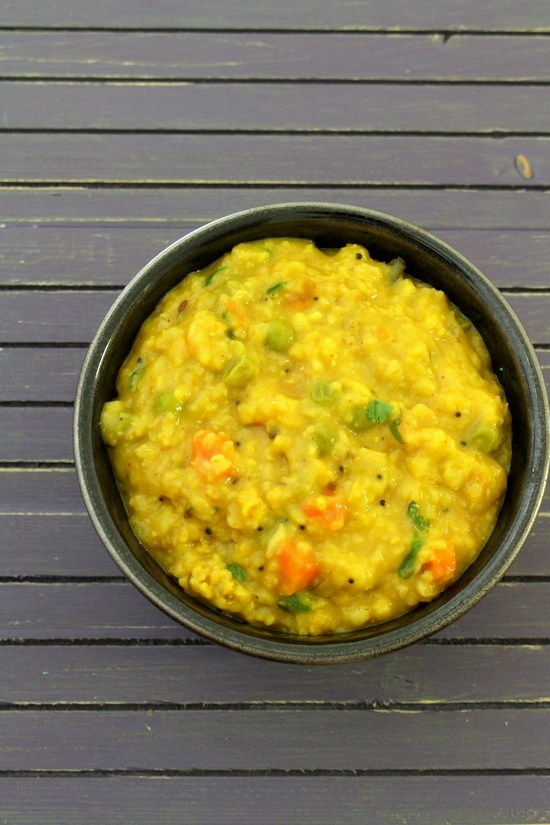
213, 454
328, 513
297, 567
303, 296
443, 566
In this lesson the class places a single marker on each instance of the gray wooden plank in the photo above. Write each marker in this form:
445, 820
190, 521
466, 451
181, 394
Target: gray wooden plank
268, 739
35, 434
276, 800
58, 545
88, 255
177, 210
68, 317
421, 676
33, 491
39, 375
116, 610
289, 159
492, 15
275, 56
275, 107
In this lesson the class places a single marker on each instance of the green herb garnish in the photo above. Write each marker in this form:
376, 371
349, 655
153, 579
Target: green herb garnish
238, 572
408, 565
413, 512
293, 604
394, 430
378, 411
274, 287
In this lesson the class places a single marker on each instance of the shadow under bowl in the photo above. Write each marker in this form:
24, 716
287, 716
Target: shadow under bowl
428, 259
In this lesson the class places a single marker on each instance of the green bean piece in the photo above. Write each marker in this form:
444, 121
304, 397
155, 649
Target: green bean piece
280, 335
325, 437
395, 269
239, 371
325, 392
238, 572
133, 380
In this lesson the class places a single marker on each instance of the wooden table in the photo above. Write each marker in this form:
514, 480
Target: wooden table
125, 124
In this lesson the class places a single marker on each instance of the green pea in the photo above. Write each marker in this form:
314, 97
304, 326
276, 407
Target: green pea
485, 437
357, 419
324, 436
167, 402
325, 392
239, 371
280, 335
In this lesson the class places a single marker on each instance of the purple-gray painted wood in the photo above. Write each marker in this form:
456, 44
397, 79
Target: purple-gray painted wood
39, 374
213, 56
178, 210
425, 675
86, 255
268, 159
492, 15
64, 545
268, 106
276, 800
35, 434
60, 317
73, 549
273, 740
34, 491
93, 610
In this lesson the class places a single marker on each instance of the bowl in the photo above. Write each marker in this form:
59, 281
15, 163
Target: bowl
427, 258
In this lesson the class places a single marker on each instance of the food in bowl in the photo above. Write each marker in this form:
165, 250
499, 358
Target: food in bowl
308, 439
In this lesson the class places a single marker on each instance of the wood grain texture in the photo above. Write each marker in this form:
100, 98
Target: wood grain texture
275, 107
276, 800
267, 159
179, 209
85, 255
68, 317
268, 739
513, 611
493, 15
213, 56
423, 676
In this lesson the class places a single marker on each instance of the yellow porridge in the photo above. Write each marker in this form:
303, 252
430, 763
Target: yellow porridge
309, 439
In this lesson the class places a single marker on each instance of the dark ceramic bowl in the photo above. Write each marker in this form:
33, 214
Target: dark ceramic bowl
427, 258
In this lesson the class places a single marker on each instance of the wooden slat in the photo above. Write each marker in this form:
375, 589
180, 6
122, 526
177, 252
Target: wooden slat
178, 210
36, 491
157, 159
281, 106
112, 255
67, 545
213, 56
92, 610
271, 740
277, 800
58, 317
39, 375
423, 675
493, 15
36, 434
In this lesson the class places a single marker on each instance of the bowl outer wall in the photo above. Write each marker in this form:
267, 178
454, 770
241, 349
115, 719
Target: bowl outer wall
428, 259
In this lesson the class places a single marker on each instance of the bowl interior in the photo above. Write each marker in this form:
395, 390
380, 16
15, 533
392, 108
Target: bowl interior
427, 259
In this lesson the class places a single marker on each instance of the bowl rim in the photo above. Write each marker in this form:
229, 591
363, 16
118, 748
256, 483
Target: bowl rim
206, 621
